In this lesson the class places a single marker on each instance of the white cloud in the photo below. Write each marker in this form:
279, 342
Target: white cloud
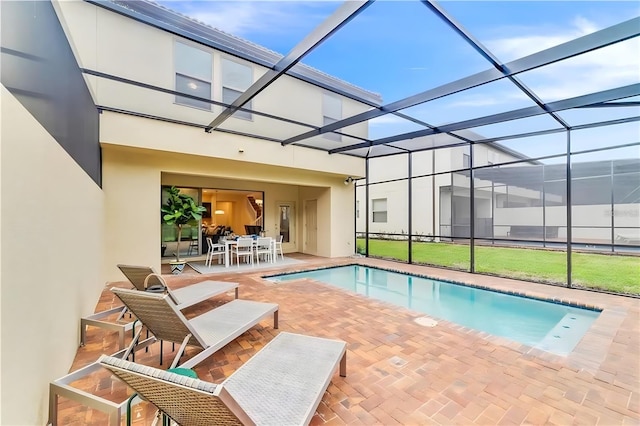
605, 68
535, 39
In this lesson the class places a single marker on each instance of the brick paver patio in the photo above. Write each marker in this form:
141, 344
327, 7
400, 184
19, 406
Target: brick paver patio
401, 372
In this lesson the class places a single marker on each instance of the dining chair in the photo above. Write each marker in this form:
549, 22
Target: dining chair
243, 247
263, 247
278, 248
207, 261
214, 249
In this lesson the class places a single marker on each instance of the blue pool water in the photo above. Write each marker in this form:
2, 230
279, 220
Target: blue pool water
548, 326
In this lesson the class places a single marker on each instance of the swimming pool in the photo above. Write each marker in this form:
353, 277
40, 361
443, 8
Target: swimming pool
549, 326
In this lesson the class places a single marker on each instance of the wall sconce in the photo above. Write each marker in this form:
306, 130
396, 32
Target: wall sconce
219, 212
349, 180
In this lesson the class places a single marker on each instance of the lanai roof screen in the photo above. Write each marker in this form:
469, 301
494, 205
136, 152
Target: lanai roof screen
429, 74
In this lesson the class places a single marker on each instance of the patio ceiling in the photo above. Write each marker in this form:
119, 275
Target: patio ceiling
552, 114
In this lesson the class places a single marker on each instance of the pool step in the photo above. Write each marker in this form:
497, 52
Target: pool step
566, 334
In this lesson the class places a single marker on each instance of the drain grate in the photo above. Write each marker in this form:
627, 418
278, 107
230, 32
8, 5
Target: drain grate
426, 322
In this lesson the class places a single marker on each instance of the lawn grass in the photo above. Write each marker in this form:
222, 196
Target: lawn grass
615, 273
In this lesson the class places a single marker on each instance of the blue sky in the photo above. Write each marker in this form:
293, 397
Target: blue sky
399, 48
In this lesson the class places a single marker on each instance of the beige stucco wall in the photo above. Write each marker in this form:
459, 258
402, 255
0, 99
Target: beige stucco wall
126, 130
323, 198
51, 261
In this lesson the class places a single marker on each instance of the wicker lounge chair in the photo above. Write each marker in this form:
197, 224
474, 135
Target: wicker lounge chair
145, 279
209, 331
282, 384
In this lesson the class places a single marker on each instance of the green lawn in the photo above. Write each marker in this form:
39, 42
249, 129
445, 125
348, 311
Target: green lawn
615, 273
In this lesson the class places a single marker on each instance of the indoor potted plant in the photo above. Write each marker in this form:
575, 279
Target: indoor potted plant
179, 210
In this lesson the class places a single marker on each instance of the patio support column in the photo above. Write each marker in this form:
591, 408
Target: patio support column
569, 209
355, 217
493, 207
613, 214
433, 200
366, 208
472, 208
544, 210
453, 213
409, 207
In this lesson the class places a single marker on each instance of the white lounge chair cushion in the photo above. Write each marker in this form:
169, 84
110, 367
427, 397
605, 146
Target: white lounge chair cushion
284, 382
221, 325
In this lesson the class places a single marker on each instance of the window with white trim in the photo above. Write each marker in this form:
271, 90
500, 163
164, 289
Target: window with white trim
331, 112
236, 78
379, 209
193, 69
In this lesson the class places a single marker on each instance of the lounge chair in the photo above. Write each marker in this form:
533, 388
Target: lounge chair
145, 279
209, 331
282, 384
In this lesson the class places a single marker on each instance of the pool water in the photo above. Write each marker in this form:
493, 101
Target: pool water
552, 327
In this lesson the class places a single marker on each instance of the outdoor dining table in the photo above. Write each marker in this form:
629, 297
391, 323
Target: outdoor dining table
234, 241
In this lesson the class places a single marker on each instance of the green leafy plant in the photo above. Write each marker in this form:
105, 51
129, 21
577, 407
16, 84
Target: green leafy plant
179, 210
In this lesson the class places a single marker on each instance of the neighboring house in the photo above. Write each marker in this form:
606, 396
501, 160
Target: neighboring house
433, 189
92, 130
522, 201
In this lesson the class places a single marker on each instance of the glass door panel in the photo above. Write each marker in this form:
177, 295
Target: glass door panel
286, 226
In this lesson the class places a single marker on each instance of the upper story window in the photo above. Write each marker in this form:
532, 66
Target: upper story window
331, 112
193, 74
379, 208
236, 78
